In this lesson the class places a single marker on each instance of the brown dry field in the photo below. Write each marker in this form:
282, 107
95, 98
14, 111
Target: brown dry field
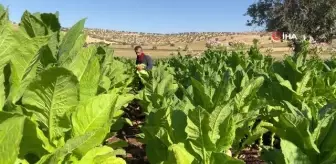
279, 49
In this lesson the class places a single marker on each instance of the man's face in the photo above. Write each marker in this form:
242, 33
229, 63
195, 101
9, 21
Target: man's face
138, 51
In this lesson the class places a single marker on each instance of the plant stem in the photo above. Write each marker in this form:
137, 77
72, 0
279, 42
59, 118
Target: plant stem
272, 140
261, 141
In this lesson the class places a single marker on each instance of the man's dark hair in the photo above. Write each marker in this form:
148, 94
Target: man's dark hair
137, 47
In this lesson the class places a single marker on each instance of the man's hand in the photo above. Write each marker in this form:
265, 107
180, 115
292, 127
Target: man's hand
140, 67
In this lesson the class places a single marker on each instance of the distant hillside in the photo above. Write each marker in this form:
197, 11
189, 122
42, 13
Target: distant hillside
141, 38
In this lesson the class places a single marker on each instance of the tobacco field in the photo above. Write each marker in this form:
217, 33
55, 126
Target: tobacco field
64, 102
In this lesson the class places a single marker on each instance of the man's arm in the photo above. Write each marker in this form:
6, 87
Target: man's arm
149, 63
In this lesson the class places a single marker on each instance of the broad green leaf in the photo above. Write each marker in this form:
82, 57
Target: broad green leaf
71, 159
248, 90
52, 23
166, 85
223, 92
157, 137
50, 97
109, 158
156, 132
156, 151
201, 96
329, 157
119, 101
158, 87
32, 25
296, 130
21, 161
329, 143
34, 141
5, 115
92, 114
2, 90
227, 134
6, 41
293, 154
66, 59
7, 44
223, 158
79, 63
4, 16
73, 145
117, 143
93, 153
179, 155
52, 27
178, 124
244, 80
221, 127
49, 52
324, 134
292, 109
69, 41
105, 83
256, 133
24, 63
44, 159
198, 132
85, 66
90, 79
10, 138
302, 85
2, 9
284, 83
271, 155
50, 20
323, 128
6, 50
93, 141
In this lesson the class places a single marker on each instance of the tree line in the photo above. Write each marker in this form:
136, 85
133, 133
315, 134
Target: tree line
316, 18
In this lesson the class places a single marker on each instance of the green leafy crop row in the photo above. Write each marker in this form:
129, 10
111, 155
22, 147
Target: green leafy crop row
207, 110
60, 100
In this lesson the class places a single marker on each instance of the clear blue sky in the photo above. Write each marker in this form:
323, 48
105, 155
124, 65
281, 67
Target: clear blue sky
163, 16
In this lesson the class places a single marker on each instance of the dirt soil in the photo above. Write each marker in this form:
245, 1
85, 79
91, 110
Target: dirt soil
136, 150
251, 156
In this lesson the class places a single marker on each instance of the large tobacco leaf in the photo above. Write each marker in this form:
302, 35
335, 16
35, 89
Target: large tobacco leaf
102, 154
71, 42
7, 48
92, 114
11, 132
24, 62
75, 145
54, 93
21, 136
85, 66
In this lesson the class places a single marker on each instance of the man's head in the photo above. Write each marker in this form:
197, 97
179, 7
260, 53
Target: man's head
138, 50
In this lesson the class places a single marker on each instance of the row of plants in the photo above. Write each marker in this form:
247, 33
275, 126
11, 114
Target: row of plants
60, 100
207, 110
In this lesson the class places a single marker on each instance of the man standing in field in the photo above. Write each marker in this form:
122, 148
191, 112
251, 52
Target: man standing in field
143, 59
143, 62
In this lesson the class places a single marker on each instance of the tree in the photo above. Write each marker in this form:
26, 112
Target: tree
316, 18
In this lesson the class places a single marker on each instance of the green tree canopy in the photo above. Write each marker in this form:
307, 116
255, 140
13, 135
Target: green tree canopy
316, 18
